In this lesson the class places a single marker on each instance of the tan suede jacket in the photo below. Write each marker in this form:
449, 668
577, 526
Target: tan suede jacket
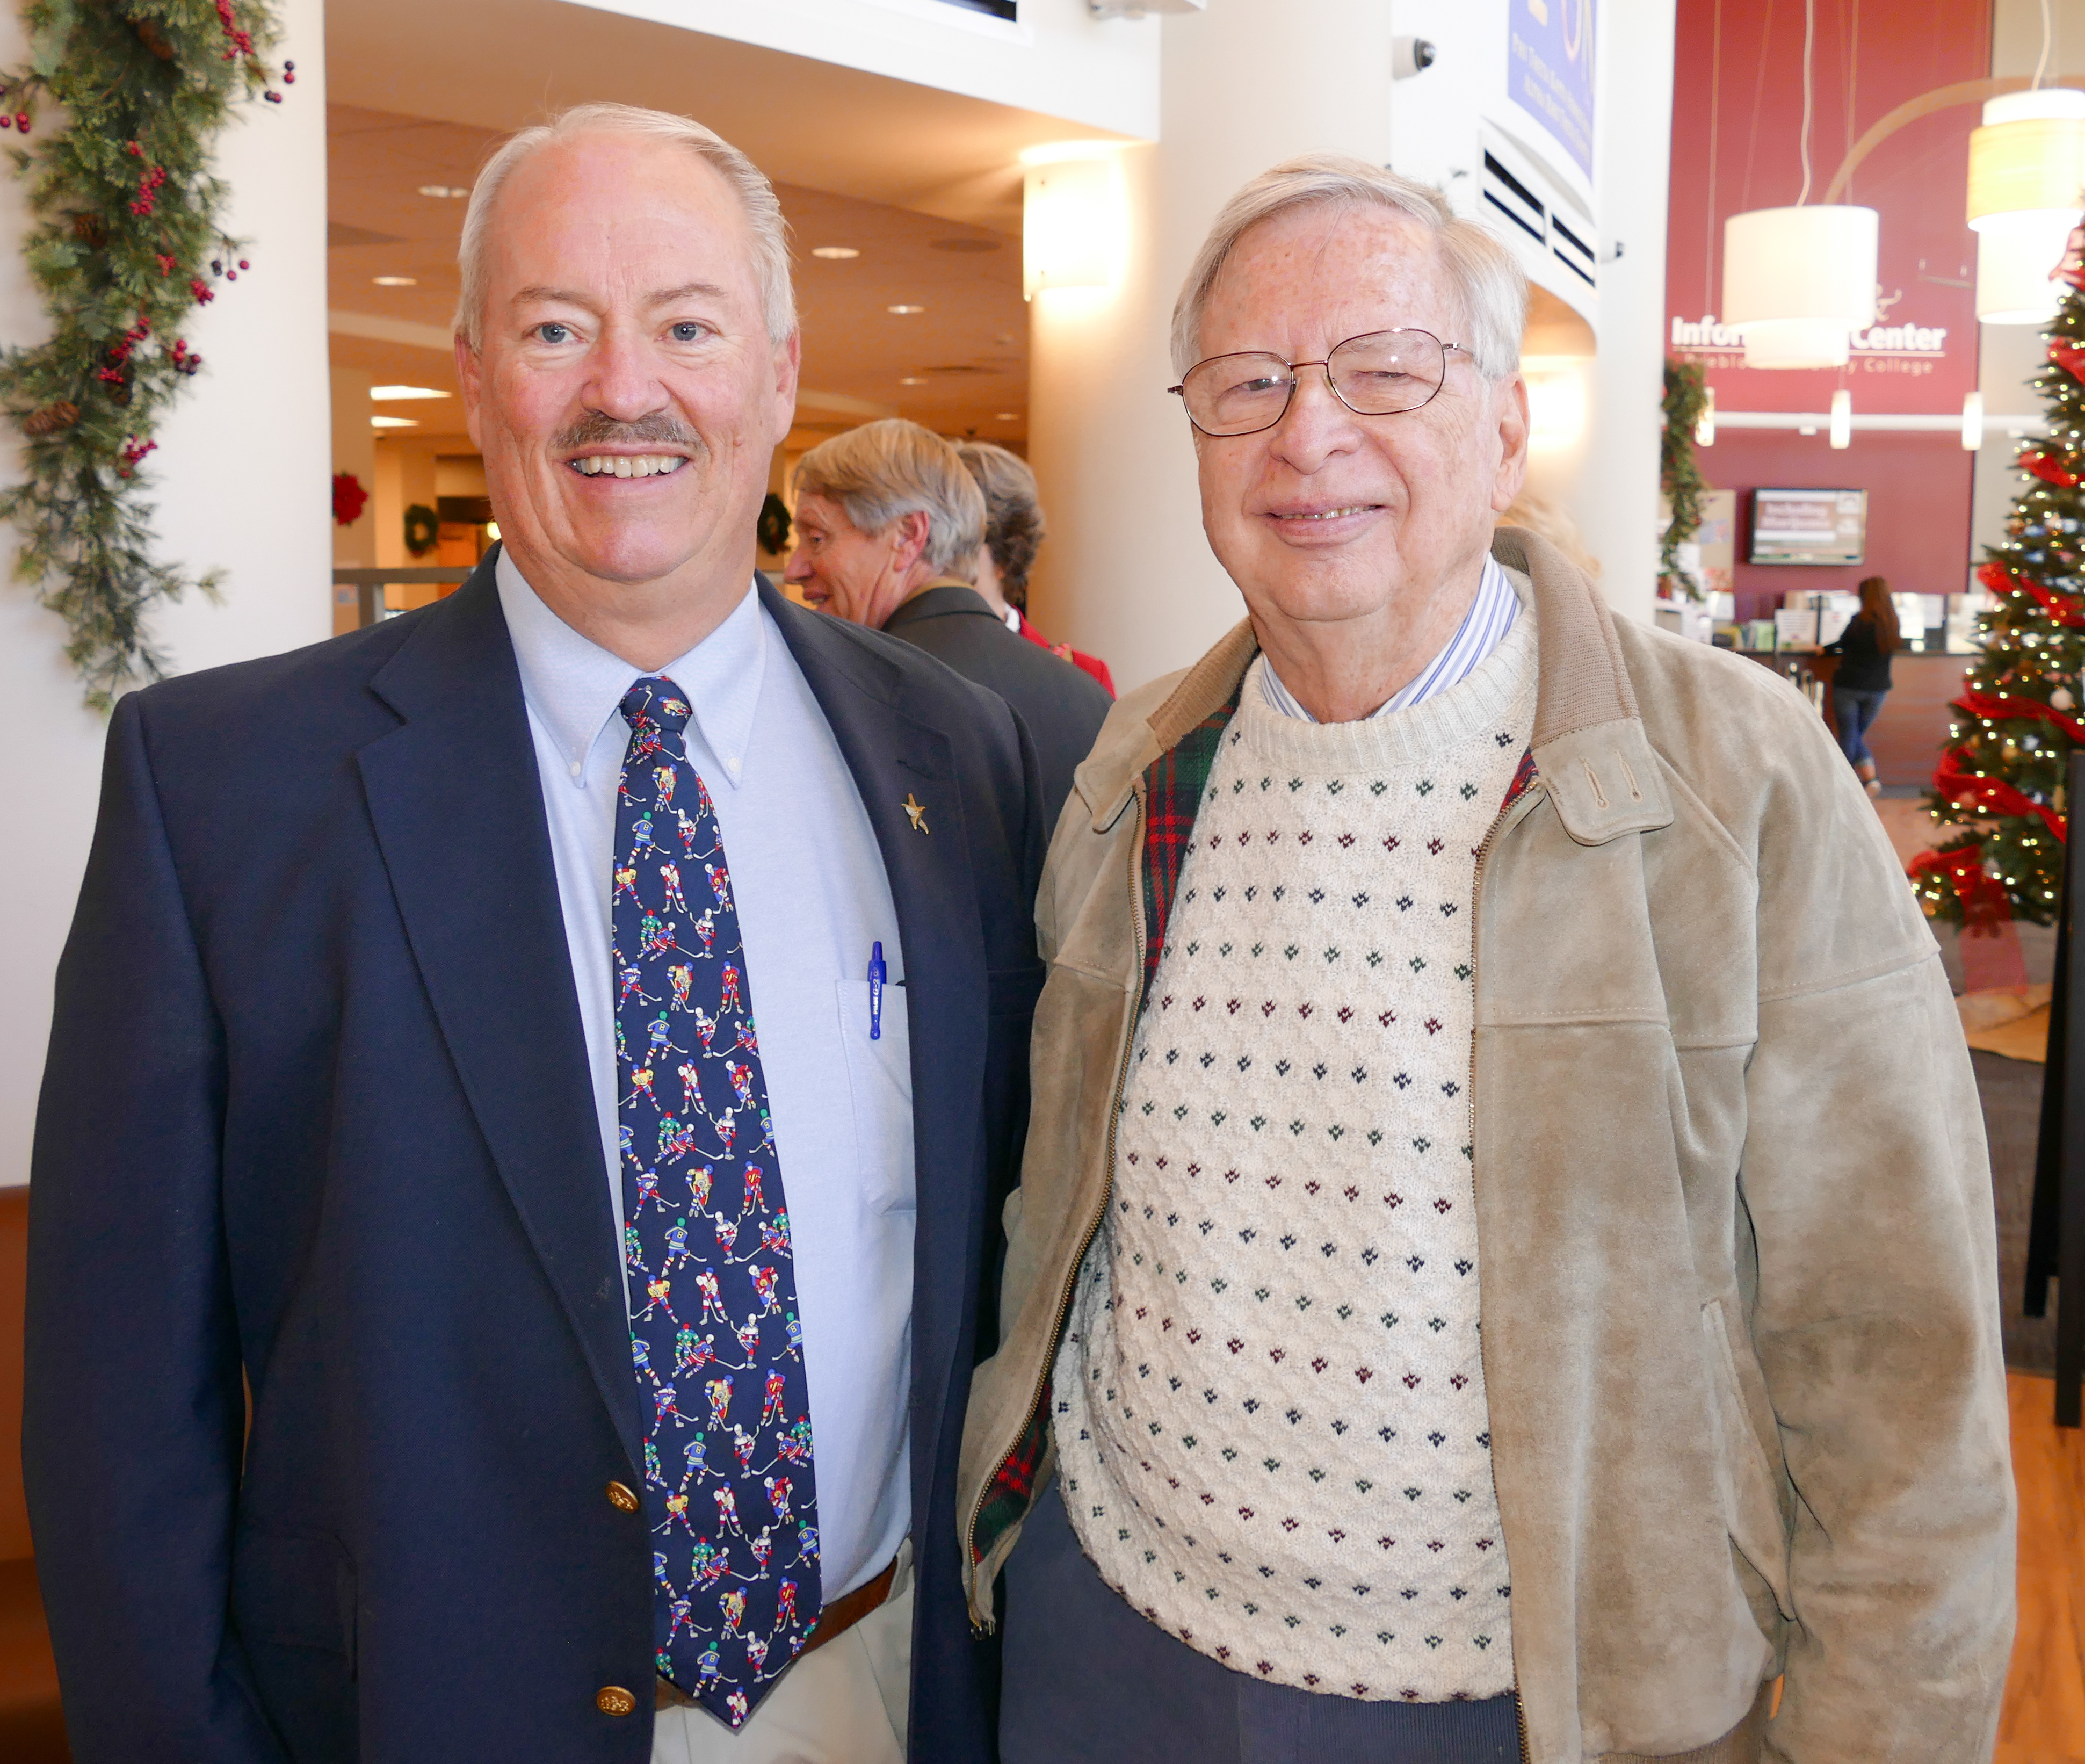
1739, 1271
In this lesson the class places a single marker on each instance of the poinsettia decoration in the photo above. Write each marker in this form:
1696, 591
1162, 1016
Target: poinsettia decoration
349, 498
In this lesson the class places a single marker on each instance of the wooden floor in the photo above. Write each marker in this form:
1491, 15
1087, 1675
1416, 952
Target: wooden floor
2044, 1719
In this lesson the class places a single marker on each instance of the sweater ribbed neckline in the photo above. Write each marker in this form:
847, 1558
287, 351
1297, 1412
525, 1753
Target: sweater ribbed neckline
1475, 706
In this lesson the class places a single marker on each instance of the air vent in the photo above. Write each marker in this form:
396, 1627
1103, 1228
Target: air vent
1514, 200
1571, 251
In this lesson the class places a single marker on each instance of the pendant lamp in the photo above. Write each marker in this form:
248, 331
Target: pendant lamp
2027, 180
1797, 281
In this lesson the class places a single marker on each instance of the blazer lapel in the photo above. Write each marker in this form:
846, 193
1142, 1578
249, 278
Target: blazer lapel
893, 756
458, 809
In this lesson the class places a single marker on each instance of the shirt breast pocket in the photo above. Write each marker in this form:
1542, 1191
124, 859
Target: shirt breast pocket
879, 1076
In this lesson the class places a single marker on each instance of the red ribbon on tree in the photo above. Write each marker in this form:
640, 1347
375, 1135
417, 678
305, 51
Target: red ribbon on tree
1994, 796
2070, 360
1983, 898
2004, 704
2033, 459
2061, 608
1986, 905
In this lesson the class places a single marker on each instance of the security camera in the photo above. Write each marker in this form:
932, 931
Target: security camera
1410, 55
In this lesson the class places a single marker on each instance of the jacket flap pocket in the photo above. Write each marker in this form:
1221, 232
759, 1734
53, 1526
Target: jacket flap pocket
1747, 1474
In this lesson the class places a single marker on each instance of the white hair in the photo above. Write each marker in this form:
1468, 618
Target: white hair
1481, 270
883, 471
749, 183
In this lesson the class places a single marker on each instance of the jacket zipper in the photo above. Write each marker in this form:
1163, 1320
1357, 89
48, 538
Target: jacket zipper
1476, 921
1093, 1228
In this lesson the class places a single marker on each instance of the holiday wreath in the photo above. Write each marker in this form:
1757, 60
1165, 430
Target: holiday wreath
125, 245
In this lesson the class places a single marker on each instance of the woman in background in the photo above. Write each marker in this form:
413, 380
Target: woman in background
1862, 681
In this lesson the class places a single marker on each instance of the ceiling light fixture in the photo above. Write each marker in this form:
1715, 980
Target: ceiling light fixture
455, 191
903, 311
913, 380
834, 253
2026, 166
394, 423
389, 394
395, 281
1007, 416
1797, 281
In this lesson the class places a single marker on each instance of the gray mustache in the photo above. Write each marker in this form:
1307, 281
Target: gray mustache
657, 428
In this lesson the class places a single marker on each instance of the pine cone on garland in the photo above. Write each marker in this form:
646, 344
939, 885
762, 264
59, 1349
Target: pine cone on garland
61, 414
153, 39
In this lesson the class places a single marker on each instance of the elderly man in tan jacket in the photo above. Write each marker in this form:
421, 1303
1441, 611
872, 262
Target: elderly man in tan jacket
1504, 1264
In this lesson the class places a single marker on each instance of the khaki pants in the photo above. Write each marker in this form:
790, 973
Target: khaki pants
844, 1704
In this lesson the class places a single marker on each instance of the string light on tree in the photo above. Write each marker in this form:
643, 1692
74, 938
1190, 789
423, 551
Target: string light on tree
2001, 779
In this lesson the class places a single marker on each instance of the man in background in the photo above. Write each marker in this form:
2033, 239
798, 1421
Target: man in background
484, 1037
890, 527
1014, 530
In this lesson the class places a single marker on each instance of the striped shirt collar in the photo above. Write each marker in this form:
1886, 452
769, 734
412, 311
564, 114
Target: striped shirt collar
1483, 627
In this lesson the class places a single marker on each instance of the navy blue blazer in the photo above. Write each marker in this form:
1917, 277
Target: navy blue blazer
317, 1113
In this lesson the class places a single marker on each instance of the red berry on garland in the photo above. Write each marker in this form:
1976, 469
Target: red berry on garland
244, 264
273, 97
6, 122
288, 76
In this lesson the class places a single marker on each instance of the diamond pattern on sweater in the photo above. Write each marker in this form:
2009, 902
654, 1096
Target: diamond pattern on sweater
1290, 1420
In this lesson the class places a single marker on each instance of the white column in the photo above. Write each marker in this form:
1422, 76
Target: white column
1614, 495
242, 484
1126, 572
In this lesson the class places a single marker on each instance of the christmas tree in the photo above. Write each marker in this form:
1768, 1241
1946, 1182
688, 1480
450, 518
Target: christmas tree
2001, 777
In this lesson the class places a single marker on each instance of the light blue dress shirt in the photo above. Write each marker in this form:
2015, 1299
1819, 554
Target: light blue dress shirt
812, 899
1483, 629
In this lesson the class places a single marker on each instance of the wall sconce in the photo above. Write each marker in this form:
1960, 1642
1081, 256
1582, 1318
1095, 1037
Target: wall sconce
1072, 219
1555, 402
1842, 417
1704, 425
1973, 421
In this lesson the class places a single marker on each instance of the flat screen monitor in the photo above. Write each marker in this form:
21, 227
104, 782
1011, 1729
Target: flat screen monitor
1809, 526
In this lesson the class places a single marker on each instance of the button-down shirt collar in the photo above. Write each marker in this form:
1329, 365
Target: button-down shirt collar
1483, 627
576, 687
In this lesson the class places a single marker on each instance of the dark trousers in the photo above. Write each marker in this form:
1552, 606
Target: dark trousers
1854, 711
1087, 1678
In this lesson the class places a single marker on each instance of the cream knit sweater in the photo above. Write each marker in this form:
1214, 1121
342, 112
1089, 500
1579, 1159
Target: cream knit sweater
1269, 1404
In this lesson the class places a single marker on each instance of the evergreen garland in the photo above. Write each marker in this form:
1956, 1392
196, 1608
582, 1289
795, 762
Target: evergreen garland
1679, 476
2000, 778
126, 244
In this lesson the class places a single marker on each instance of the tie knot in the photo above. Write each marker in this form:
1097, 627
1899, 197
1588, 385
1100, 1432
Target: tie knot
656, 703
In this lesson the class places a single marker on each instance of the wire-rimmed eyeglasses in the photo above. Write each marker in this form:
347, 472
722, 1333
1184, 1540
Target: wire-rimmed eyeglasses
1380, 373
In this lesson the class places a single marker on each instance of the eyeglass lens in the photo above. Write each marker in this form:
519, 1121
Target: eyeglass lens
1377, 375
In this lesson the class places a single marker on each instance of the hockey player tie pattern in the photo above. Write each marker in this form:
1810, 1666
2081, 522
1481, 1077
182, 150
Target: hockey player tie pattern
728, 1489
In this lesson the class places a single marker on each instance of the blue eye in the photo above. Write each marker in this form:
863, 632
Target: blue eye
688, 332
553, 332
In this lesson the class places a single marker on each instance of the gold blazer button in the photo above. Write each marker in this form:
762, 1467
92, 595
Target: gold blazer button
612, 1699
621, 1498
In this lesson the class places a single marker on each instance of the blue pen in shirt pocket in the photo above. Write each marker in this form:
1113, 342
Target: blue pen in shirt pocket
876, 973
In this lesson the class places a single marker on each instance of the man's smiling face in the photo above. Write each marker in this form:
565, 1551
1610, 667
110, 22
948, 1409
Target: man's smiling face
624, 391
1328, 515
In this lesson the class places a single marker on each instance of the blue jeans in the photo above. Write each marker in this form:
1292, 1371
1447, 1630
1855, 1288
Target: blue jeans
1855, 713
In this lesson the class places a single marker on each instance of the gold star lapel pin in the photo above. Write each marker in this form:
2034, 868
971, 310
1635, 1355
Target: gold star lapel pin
918, 812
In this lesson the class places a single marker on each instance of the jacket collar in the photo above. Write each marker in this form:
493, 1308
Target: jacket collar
1589, 744
937, 599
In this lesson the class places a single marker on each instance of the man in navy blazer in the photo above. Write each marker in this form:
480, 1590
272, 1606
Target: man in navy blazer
333, 1444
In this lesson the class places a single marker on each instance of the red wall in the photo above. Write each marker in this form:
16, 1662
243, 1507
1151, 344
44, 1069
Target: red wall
1737, 108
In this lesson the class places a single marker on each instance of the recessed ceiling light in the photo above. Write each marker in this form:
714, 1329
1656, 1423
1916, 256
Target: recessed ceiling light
395, 281
964, 246
903, 311
913, 380
834, 253
1007, 416
392, 423
388, 393
458, 191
